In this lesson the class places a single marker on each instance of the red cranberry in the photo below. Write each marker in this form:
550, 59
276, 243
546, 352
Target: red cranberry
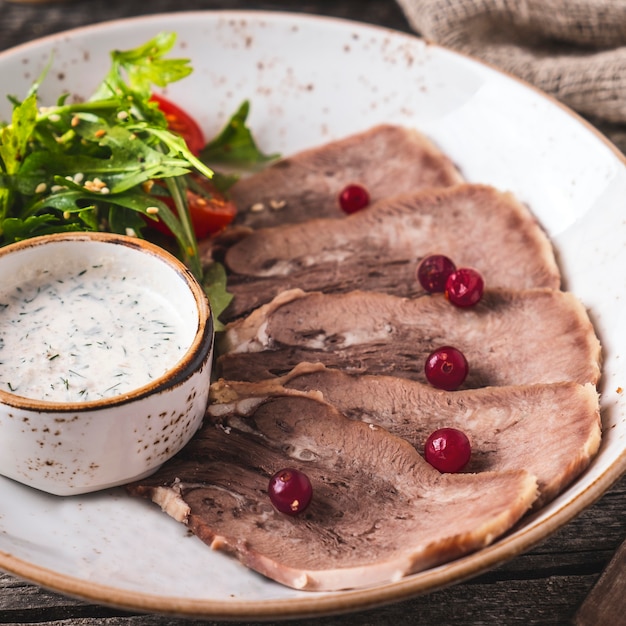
290, 491
464, 288
433, 272
448, 450
446, 368
353, 198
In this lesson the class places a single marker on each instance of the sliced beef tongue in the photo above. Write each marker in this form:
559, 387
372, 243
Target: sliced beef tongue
551, 430
336, 298
379, 248
386, 160
510, 337
379, 511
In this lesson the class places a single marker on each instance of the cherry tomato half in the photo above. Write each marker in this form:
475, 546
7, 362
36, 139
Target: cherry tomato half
179, 121
209, 215
210, 211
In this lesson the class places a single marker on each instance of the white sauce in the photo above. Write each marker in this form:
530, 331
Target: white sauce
82, 335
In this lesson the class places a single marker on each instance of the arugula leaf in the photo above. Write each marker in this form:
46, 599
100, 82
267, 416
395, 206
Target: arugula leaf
223, 182
123, 220
15, 229
14, 137
177, 146
177, 190
14, 145
235, 144
143, 67
214, 284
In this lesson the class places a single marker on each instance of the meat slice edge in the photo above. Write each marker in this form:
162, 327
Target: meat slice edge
551, 430
379, 248
510, 337
387, 159
379, 511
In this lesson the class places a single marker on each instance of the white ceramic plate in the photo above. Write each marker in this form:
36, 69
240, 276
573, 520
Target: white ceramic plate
311, 80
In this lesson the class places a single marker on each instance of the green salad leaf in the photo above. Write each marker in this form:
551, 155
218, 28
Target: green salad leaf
235, 145
139, 69
81, 166
215, 285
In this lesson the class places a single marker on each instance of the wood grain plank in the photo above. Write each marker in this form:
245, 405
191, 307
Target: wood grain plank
606, 604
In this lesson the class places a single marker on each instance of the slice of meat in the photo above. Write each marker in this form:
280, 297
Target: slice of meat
379, 511
552, 431
510, 337
379, 248
386, 159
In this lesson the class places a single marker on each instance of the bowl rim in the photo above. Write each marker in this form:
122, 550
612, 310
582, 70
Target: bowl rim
196, 354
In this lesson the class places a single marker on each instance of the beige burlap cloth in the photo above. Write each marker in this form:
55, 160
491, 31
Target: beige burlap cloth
574, 50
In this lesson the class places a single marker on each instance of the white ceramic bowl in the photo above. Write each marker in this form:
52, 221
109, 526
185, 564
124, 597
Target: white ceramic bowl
105, 360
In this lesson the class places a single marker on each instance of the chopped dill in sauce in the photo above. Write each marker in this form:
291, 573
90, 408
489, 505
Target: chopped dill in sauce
81, 335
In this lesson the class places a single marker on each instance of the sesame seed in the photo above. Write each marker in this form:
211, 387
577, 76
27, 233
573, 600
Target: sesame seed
66, 215
277, 204
105, 190
257, 207
95, 185
152, 210
75, 121
41, 187
55, 117
122, 115
131, 232
56, 188
79, 177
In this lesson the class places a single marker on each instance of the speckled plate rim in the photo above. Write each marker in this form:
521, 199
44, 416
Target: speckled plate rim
587, 489
317, 604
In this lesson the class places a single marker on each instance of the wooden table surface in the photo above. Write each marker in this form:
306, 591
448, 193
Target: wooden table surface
544, 586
